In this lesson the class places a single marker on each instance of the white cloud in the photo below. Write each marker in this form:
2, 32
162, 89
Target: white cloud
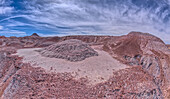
5, 7
10, 32
13, 17
13, 32
76, 12
102, 17
13, 23
6, 10
1, 27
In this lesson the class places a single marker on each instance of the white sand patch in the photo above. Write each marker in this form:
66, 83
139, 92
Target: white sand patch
97, 69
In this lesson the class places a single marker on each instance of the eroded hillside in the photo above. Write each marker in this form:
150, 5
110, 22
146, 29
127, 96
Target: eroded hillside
141, 68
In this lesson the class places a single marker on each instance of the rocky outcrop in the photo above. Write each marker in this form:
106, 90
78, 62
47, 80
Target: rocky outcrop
71, 50
31, 82
145, 50
9, 65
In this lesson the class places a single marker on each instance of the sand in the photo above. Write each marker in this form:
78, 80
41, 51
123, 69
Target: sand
96, 69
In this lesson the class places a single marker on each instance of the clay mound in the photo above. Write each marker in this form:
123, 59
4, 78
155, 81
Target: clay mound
72, 50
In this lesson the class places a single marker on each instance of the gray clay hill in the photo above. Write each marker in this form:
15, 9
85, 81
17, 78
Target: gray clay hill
72, 50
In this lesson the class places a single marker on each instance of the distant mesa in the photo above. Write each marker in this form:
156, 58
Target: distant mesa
72, 50
35, 35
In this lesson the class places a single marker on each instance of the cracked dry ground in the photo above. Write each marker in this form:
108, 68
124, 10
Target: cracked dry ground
147, 75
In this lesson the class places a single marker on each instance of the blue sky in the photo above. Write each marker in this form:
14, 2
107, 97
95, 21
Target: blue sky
84, 17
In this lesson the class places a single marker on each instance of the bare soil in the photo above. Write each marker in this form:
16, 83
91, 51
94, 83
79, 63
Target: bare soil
96, 69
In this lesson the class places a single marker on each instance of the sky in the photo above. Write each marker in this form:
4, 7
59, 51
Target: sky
85, 17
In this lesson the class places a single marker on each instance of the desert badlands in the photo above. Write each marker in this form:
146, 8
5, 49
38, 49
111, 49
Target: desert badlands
133, 66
